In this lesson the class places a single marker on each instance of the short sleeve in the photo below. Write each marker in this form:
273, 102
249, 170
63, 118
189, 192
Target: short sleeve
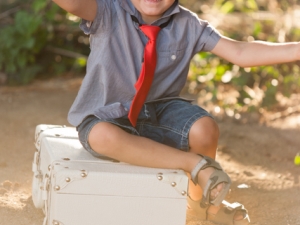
91, 27
206, 36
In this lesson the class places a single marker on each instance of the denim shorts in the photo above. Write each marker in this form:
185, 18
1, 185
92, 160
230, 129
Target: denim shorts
167, 122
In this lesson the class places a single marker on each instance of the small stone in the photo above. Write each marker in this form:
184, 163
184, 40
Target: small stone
243, 186
3, 78
7, 184
249, 174
2, 191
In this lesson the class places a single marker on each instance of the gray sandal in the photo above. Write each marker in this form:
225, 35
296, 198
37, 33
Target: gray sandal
224, 216
217, 177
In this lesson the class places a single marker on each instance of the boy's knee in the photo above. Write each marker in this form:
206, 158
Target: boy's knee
102, 136
203, 136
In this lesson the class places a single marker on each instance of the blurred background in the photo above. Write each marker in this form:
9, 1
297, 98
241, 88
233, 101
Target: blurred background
42, 62
38, 40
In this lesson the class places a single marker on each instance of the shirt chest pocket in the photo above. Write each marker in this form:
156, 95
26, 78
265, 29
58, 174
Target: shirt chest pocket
172, 53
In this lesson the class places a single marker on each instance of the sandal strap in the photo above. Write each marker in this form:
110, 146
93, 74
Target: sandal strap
226, 214
203, 164
196, 170
217, 177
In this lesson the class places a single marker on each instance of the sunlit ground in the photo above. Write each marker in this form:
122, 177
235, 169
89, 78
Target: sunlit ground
12, 196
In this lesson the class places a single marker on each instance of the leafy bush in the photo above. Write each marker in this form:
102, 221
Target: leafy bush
19, 45
27, 42
231, 87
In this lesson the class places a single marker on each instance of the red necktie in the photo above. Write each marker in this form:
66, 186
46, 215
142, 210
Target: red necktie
144, 82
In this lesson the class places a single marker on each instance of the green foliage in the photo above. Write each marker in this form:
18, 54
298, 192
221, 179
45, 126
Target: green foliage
251, 88
227, 6
19, 44
255, 87
25, 36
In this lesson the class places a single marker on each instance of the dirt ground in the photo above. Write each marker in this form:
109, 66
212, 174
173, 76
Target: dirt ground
258, 158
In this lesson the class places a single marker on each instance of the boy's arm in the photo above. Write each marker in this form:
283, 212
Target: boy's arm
85, 9
256, 53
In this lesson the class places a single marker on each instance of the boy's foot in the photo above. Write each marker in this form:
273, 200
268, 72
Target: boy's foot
212, 211
227, 214
214, 182
203, 177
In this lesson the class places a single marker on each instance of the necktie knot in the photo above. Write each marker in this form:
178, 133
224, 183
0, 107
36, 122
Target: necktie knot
150, 31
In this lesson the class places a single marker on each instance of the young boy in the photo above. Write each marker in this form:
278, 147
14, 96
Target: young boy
128, 107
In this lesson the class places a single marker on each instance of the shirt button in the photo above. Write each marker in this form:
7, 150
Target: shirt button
173, 57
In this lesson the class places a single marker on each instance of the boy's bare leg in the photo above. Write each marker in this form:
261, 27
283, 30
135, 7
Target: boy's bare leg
112, 141
203, 139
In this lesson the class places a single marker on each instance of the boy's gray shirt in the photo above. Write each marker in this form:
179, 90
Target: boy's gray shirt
115, 60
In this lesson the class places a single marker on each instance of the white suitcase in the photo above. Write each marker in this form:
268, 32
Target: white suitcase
75, 188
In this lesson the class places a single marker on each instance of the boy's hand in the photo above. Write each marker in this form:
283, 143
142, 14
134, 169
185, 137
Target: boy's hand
257, 53
86, 9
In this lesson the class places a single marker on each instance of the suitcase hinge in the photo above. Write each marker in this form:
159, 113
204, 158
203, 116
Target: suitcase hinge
36, 161
45, 188
56, 222
179, 183
48, 127
61, 182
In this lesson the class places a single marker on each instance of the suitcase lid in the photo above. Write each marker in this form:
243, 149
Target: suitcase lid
62, 142
65, 149
75, 171
117, 179
58, 131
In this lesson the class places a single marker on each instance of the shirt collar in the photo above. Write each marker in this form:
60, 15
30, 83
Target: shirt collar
129, 8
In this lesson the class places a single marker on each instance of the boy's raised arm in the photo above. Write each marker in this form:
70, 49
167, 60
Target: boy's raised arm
256, 53
86, 9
